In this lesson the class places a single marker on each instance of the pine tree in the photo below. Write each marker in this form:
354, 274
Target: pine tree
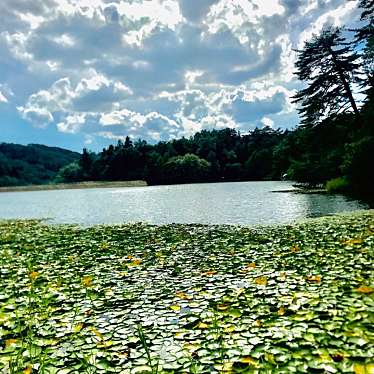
330, 66
366, 35
367, 31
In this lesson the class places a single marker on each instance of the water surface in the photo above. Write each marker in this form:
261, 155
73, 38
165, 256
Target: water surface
214, 203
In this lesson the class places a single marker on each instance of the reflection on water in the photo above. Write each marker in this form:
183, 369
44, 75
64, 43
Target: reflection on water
215, 203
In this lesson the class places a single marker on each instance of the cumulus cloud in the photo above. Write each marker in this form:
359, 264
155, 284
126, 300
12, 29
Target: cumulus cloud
119, 124
157, 69
336, 17
94, 92
243, 17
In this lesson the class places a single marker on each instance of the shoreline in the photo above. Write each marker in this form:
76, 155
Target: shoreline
72, 186
303, 191
132, 183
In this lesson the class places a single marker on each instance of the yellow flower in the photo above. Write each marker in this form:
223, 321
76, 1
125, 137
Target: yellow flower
10, 342
314, 278
33, 275
252, 265
363, 369
183, 296
87, 281
202, 325
135, 262
261, 281
295, 248
281, 311
257, 323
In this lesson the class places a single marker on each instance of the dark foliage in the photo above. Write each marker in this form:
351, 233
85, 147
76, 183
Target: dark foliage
330, 66
216, 155
31, 164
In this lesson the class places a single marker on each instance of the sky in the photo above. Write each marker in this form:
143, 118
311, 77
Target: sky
86, 73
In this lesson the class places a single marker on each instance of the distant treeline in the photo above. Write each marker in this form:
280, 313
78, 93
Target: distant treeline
214, 155
31, 164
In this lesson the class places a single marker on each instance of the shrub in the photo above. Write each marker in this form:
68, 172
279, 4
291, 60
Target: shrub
338, 185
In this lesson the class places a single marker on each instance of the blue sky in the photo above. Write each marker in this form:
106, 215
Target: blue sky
85, 73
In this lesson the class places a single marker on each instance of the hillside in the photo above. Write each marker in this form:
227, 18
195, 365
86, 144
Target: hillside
31, 164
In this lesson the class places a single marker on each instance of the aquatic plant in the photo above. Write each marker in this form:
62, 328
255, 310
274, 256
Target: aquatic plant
188, 298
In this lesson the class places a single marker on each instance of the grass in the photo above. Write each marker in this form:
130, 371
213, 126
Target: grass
79, 185
188, 298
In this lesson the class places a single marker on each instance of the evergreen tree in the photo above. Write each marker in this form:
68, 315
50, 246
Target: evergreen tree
330, 66
366, 35
366, 32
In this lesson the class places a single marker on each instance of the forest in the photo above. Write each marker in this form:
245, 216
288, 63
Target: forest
32, 164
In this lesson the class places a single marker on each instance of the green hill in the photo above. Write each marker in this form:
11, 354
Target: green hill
31, 164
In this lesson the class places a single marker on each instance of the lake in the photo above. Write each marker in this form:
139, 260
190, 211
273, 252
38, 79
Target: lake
244, 203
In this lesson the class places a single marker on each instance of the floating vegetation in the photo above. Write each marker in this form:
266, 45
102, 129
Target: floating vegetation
188, 298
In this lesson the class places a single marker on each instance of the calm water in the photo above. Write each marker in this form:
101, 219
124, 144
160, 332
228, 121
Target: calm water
217, 203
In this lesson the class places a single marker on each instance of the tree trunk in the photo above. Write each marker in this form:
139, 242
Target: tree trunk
345, 83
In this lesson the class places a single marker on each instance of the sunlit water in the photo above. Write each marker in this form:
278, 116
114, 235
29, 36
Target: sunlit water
214, 203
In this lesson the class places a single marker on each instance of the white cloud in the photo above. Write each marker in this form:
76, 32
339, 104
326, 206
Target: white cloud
16, 43
72, 123
308, 6
287, 58
268, 122
39, 117
335, 17
218, 121
241, 16
65, 40
157, 69
154, 126
3, 98
145, 17
93, 92
191, 76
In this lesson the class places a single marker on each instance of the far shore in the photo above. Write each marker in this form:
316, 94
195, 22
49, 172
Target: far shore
120, 184
78, 185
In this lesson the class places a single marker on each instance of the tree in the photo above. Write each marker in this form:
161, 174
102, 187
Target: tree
128, 142
366, 35
330, 66
70, 173
86, 162
366, 32
259, 164
186, 169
